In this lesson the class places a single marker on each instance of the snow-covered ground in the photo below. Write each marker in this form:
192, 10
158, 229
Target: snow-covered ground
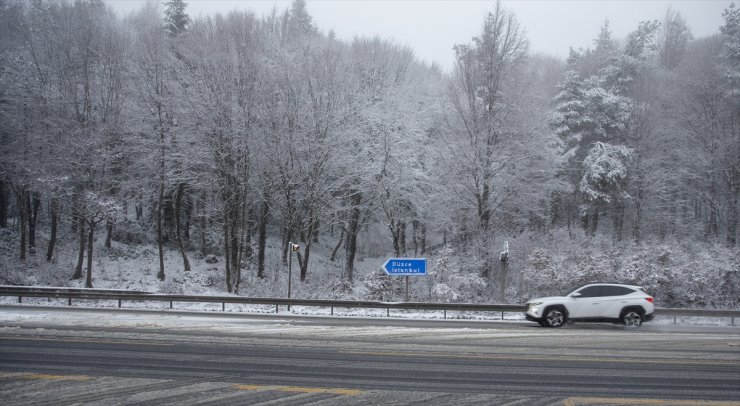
44, 317
673, 272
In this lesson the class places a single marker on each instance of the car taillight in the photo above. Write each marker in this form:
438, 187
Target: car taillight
649, 299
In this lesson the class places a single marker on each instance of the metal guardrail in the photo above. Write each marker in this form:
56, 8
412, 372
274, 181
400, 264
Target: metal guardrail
138, 296
123, 296
698, 313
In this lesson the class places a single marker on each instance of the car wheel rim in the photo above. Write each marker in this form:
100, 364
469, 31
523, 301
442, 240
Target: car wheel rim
554, 318
632, 319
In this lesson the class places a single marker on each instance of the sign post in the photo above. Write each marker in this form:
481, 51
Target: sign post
292, 248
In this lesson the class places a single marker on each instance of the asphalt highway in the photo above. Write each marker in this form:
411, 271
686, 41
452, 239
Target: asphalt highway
68, 356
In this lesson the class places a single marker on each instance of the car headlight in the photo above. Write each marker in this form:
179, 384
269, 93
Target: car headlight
533, 307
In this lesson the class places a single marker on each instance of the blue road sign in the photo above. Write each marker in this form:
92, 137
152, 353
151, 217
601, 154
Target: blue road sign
406, 266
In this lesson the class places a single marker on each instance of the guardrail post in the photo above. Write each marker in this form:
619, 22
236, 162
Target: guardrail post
119, 303
276, 308
332, 310
674, 319
445, 314
502, 315
170, 305
223, 306
20, 300
70, 301
389, 311
733, 321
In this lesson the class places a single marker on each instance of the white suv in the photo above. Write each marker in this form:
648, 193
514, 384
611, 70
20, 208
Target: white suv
595, 302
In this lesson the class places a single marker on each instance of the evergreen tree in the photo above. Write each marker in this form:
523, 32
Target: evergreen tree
729, 62
605, 173
730, 56
176, 20
569, 120
605, 46
300, 23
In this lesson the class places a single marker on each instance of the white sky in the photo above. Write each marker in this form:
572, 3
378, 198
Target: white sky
432, 27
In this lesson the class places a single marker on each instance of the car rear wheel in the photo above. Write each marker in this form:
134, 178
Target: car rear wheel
554, 317
632, 318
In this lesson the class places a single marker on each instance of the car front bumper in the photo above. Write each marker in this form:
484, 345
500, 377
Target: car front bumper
531, 317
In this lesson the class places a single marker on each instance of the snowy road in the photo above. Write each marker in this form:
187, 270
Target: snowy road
66, 356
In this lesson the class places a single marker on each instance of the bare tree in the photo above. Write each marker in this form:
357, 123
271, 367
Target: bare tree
481, 103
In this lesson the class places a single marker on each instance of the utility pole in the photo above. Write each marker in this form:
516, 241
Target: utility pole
293, 248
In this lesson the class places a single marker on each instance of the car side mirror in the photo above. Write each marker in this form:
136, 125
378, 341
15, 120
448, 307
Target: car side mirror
575, 295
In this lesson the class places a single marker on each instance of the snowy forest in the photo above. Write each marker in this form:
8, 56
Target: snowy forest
174, 154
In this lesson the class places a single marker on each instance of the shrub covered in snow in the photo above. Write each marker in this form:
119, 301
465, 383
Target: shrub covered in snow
703, 276
379, 286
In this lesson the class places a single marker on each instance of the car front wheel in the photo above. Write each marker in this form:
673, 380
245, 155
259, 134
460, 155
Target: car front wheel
554, 317
632, 318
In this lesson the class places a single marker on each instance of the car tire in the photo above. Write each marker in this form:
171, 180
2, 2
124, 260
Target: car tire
632, 318
554, 317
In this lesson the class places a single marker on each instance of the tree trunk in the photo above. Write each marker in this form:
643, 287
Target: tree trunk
336, 247
732, 220
711, 228
618, 220
288, 220
304, 263
636, 230
353, 230
396, 234
227, 264
234, 246
178, 210
81, 251
139, 207
188, 206
594, 221
54, 214
238, 267
109, 233
287, 238
88, 279
160, 274
415, 236
251, 221
402, 239
503, 273
33, 204
203, 224
243, 247
160, 202
22, 198
3, 205
262, 238
423, 239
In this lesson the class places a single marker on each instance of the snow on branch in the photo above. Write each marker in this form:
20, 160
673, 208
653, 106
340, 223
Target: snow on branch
605, 172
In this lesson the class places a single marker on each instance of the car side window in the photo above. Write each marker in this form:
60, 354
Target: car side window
591, 291
615, 291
